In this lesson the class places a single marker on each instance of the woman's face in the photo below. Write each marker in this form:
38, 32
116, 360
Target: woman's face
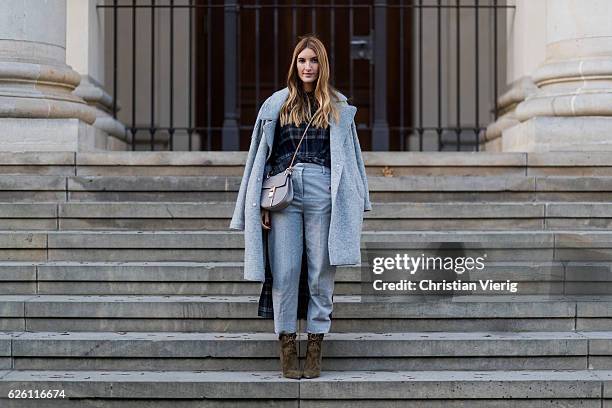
308, 68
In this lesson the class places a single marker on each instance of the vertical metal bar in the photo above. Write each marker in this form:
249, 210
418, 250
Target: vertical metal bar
402, 132
380, 129
293, 20
458, 101
276, 57
208, 76
115, 59
476, 59
351, 62
134, 74
332, 41
238, 76
230, 132
439, 29
371, 66
313, 17
495, 59
152, 126
171, 127
190, 75
420, 129
257, 62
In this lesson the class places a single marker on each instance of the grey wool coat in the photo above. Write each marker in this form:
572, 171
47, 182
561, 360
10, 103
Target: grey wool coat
349, 195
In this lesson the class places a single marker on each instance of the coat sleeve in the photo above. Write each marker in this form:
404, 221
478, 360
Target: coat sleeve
237, 221
367, 206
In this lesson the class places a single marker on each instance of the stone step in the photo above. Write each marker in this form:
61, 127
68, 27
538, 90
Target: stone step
37, 188
343, 351
176, 351
386, 216
38, 163
350, 314
400, 163
231, 163
413, 188
226, 278
203, 246
382, 189
370, 388
217, 215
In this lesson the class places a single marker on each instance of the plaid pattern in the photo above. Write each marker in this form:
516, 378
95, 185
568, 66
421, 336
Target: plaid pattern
265, 308
314, 148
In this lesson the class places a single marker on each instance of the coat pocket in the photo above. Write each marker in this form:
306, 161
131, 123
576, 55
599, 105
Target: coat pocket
357, 184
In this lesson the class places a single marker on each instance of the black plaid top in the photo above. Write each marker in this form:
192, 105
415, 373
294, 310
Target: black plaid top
314, 147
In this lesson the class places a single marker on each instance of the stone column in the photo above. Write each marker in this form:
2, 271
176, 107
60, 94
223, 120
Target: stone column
572, 107
85, 53
38, 111
526, 46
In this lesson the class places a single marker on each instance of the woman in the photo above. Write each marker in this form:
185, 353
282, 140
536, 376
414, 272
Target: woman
324, 219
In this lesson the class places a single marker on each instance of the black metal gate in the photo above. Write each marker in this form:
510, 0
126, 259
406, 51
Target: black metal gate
192, 74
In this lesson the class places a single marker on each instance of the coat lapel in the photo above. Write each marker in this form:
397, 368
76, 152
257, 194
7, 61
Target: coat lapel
338, 131
268, 129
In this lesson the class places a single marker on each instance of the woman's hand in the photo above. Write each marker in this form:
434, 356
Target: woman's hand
265, 219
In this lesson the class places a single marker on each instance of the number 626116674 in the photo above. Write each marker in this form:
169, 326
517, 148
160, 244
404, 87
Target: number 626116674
36, 394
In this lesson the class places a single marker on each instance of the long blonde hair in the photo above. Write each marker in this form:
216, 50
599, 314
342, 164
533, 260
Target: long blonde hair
296, 108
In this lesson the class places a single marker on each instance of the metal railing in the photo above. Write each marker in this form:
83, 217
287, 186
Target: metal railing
192, 74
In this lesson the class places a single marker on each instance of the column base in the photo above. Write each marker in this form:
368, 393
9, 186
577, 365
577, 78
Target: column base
506, 105
25, 134
549, 134
93, 93
494, 145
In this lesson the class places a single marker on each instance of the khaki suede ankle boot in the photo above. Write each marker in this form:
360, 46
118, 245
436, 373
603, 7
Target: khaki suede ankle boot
288, 356
312, 367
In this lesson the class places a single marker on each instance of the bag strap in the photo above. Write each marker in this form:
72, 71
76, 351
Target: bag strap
302, 138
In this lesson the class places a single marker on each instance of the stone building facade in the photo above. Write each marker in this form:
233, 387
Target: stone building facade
55, 95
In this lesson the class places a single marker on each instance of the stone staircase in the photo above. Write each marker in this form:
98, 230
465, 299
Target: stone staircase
122, 285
